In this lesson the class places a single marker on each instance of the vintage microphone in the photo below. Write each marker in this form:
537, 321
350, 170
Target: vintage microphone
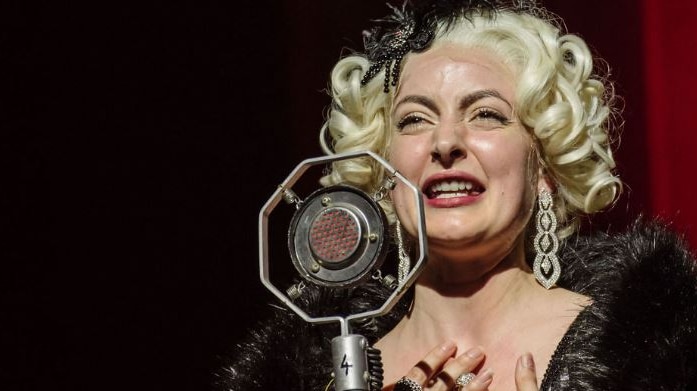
338, 238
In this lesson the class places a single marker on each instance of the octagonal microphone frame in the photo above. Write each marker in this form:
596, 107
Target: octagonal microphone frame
282, 191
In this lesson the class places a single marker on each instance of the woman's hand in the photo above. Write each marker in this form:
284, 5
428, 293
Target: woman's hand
438, 371
525, 377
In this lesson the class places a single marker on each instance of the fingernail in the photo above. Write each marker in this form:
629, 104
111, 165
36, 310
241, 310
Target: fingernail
448, 346
484, 377
527, 361
474, 353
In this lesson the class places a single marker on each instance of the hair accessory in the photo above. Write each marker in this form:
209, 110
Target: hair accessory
406, 384
463, 380
411, 29
546, 266
386, 48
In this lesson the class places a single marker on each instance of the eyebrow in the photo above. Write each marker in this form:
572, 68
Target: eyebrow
419, 99
465, 102
481, 94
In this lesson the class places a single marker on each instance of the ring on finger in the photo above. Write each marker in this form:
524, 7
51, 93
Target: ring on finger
406, 384
463, 380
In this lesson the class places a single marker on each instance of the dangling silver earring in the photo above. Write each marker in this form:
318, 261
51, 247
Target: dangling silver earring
404, 261
546, 266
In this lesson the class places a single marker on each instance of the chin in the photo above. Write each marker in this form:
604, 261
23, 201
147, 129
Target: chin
453, 237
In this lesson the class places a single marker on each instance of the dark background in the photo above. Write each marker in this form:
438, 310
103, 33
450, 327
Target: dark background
142, 142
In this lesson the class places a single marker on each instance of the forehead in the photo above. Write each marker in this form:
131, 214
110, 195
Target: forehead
456, 67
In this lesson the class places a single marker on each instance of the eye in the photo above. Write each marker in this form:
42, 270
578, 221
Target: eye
410, 120
487, 114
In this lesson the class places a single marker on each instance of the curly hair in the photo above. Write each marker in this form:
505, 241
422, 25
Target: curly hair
564, 104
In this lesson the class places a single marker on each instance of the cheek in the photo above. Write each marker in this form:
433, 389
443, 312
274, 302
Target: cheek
508, 163
408, 155
405, 207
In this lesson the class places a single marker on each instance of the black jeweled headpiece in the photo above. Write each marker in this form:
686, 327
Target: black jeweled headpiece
386, 47
412, 28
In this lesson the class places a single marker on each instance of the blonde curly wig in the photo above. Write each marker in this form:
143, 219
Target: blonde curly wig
564, 105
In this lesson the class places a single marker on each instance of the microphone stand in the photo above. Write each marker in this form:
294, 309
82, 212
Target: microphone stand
350, 359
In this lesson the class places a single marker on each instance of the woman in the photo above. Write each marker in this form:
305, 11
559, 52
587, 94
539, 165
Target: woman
496, 116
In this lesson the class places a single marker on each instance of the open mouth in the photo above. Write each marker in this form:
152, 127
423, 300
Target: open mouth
453, 188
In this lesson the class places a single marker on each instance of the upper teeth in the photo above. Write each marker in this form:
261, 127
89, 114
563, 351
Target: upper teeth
452, 186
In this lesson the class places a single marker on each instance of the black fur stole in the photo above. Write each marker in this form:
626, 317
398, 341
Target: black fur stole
640, 333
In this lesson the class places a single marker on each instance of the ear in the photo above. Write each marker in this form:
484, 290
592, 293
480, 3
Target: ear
544, 182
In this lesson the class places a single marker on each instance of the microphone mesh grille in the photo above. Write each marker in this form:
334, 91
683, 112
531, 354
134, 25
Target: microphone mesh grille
334, 235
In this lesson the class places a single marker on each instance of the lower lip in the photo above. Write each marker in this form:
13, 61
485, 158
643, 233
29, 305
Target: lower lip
452, 202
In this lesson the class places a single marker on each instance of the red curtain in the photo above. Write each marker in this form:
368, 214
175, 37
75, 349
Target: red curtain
670, 63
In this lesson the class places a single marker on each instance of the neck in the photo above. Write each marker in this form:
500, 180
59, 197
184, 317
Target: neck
475, 308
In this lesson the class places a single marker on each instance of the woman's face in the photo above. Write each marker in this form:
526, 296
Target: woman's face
457, 138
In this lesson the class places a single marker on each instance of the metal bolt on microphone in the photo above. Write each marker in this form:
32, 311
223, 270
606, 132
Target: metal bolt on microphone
290, 197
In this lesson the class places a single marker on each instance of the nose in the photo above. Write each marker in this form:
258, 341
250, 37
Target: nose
448, 146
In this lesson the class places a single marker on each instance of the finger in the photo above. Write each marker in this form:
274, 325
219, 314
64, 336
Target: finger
434, 360
525, 377
464, 363
481, 381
